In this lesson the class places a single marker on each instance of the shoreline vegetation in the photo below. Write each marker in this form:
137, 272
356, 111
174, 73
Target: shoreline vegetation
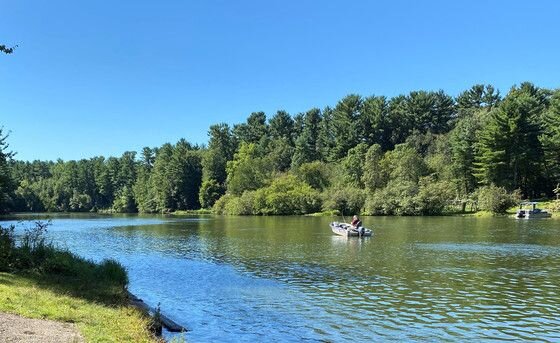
422, 153
41, 281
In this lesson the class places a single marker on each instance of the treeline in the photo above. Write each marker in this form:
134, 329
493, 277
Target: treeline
415, 154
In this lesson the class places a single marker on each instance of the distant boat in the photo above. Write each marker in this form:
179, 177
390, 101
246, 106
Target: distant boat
532, 212
345, 229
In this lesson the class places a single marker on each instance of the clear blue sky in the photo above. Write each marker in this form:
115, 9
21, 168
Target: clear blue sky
102, 77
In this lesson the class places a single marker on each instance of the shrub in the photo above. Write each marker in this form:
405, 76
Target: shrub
220, 205
113, 271
495, 199
285, 195
288, 195
7, 245
433, 196
346, 200
242, 205
397, 198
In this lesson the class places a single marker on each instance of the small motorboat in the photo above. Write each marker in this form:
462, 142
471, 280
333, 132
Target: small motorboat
532, 212
345, 229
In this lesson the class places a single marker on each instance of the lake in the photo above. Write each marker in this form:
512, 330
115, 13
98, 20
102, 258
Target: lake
289, 279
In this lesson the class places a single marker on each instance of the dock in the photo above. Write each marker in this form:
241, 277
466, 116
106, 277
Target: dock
166, 322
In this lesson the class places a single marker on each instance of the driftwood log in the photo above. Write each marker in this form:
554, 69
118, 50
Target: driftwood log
169, 324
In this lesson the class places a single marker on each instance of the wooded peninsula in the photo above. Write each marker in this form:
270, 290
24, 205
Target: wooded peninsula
424, 153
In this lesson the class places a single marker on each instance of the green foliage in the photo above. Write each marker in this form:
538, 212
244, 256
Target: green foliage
34, 254
221, 147
509, 151
124, 201
7, 246
495, 199
353, 165
6, 182
413, 154
346, 125
345, 200
308, 147
253, 130
550, 138
281, 126
285, 195
434, 196
476, 98
462, 140
280, 154
404, 163
221, 204
247, 170
397, 198
374, 121
288, 195
210, 192
316, 174
373, 177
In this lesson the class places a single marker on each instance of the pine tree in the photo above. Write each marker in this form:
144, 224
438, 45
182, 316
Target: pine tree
509, 151
6, 182
346, 124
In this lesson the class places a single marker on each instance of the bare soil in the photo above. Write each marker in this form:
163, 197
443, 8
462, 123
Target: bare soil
14, 328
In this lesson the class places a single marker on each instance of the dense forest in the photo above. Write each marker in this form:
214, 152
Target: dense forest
423, 153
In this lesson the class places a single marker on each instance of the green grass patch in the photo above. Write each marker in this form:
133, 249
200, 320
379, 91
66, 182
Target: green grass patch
48, 297
330, 213
192, 212
39, 280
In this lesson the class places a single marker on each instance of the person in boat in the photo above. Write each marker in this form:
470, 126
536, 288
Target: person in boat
357, 224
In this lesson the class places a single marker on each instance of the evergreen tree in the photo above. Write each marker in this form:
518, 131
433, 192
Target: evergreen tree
477, 97
509, 151
6, 183
253, 130
346, 125
375, 121
308, 145
281, 126
550, 138
326, 141
462, 140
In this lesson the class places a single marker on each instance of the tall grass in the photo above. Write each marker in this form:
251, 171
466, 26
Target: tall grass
34, 255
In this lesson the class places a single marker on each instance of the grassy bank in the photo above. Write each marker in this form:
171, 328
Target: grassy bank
191, 212
56, 298
38, 280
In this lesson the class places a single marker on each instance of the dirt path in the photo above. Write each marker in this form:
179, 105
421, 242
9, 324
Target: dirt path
18, 329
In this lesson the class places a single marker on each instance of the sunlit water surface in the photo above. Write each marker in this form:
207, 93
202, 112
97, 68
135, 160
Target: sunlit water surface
234, 279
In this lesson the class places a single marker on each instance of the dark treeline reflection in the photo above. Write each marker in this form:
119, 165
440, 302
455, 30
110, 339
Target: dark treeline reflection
414, 154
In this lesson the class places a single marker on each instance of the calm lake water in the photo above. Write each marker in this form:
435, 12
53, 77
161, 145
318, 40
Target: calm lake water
246, 279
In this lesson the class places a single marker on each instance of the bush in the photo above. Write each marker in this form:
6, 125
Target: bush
398, 198
348, 200
433, 196
286, 195
242, 205
7, 245
495, 199
221, 204
113, 271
